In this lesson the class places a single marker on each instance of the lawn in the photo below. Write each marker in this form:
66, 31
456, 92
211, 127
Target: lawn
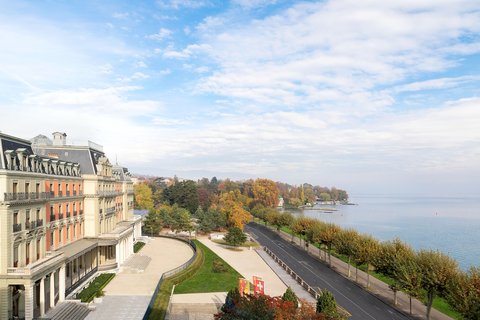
95, 288
214, 275
245, 245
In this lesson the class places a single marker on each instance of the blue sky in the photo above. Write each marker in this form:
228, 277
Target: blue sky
371, 96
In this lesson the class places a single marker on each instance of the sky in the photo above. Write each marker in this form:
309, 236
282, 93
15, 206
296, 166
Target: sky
370, 96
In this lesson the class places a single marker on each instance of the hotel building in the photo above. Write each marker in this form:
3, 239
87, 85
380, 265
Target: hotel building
66, 213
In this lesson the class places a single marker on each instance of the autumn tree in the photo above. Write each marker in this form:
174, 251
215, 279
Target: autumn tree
366, 250
143, 196
328, 236
265, 191
437, 269
346, 243
289, 295
464, 293
184, 194
301, 225
408, 276
181, 220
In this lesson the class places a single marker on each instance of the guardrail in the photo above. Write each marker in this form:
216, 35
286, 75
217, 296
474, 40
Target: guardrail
170, 273
300, 281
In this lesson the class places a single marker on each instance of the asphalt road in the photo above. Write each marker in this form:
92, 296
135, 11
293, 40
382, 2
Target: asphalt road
358, 302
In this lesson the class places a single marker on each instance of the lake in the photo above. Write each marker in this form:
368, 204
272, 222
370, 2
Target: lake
449, 224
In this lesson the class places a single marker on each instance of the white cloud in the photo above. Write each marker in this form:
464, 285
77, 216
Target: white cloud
121, 15
187, 52
249, 4
160, 35
179, 4
436, 84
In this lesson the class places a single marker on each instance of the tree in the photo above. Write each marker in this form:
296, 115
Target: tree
235, 236
153, 222
181, 220
408, 276
464, 293
184, 194
289, 295
346, 243
329, 233
437, 269
366, 250
265, 191
327, 304
143, 196
301, 225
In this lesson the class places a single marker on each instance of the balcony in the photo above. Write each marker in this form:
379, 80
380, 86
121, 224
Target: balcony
39, 223
61, 216
110, 210
30, 225
68, 214
25, 197
17, 227
67, 193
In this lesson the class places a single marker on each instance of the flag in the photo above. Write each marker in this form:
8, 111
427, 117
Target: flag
258, 285
241, 285
246, 290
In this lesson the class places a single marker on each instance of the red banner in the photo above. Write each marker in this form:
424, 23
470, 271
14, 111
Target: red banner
241, 286
259, 286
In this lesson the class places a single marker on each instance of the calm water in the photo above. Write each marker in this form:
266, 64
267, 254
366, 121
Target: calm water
449, 224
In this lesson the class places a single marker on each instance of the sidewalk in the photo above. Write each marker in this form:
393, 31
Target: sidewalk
127, 296
377, 287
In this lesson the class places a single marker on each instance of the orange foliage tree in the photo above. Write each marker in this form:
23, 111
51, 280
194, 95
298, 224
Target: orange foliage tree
266, 192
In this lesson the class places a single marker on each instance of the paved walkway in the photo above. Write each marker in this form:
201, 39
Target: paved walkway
127, 296
377, 287
248, 263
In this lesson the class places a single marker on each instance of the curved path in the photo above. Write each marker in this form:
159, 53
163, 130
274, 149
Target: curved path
357, 301
127, 296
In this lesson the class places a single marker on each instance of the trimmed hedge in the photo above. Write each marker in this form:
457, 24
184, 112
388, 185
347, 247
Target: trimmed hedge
95, 287
137, 246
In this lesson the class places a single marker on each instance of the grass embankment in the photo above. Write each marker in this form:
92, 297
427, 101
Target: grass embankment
95, 288
199, 277
215, 275
244, 245
137, 246
439, 303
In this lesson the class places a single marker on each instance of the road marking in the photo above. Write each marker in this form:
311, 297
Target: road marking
316, 275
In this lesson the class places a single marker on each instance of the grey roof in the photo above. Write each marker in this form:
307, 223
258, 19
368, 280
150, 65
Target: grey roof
41, 140
121, 173
85, 156
12, 143
77, 248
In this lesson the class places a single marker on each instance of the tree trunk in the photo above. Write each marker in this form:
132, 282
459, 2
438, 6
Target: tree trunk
329, 257
410, 297
356, 273
429, 303
292, 237
395, 302
368, 277
349, 272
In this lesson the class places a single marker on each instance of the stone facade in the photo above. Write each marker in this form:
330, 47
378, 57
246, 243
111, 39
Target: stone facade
61, 221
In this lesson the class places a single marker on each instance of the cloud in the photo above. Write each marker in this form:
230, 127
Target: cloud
323, 54
249, 4
121, 15
436, 84
179, 4
187, 52
160, 35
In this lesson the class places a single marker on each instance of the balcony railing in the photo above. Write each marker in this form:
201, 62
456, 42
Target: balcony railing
17, 227
30, 225
67, 193
61, 216
26, 196
110, 210
39, 223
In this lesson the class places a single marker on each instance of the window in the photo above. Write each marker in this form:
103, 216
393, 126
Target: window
15, 217
51, 188
27, 187
68, 232
38, 250
52, 236
60, 232
15, 187
27, 218
37, 189
37, 215
59, 189
27, 252
15, 256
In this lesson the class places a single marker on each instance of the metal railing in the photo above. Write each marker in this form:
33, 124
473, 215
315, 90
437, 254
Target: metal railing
170, 273
25, 196
110, 210
17, 227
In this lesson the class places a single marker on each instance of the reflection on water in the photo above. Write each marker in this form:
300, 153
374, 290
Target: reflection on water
449, 224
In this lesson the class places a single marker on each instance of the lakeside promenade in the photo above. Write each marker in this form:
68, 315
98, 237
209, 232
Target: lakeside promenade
377, 287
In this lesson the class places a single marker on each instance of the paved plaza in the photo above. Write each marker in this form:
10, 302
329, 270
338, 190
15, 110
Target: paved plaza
127, 296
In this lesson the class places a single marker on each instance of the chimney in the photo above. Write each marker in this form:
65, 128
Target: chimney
59, 138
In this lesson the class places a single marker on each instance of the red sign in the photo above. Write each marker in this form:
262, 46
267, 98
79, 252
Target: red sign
259, 286
241, 286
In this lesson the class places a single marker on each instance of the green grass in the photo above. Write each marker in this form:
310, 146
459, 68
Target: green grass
159, 308
245, 245
205, 279
443, 306
95, 287
137, 246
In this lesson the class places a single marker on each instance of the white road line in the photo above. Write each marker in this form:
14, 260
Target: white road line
315, 274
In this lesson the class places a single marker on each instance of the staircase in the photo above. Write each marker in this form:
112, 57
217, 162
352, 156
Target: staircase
71, 310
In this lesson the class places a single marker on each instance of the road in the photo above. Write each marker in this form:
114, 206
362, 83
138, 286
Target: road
358, 302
